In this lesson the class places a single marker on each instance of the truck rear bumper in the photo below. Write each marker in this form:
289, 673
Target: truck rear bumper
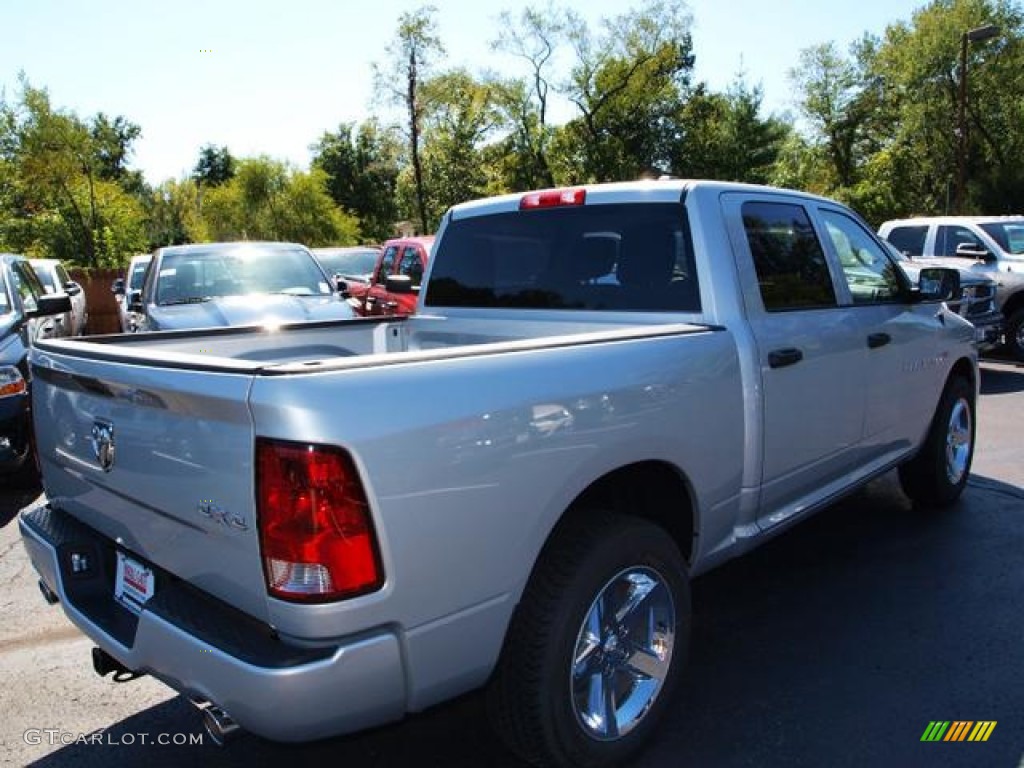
206, 649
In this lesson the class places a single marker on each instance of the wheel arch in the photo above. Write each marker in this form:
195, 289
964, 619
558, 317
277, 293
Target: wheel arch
1014, 302
654, 490
966, 369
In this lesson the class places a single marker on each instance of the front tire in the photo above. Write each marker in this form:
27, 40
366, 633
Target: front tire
597, 644
938, 474
1015, 335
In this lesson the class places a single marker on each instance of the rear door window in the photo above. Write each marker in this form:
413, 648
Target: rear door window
630, 257
908, 240
792, 271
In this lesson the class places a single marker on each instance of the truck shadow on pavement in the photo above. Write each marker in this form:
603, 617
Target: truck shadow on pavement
1002, 380
834, 644
13, 500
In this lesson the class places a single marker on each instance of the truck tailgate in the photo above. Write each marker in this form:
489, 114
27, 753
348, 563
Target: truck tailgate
159, 460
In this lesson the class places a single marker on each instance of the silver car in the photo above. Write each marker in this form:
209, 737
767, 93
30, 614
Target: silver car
55, 279
124, 286
207, 285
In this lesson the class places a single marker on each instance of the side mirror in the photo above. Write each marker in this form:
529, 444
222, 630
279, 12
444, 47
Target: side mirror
400, 284
939, 284
135, 302
973, 251
71, 288
117, 287
341, 286
51, 304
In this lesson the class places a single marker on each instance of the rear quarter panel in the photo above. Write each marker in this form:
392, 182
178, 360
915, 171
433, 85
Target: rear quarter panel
470, 462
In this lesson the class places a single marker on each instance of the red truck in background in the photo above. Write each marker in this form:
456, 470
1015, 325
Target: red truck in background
394, 287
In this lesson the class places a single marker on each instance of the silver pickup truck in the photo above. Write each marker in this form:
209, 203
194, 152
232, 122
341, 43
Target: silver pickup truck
606, 391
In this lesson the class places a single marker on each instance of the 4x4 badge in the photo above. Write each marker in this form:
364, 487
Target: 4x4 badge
102, 440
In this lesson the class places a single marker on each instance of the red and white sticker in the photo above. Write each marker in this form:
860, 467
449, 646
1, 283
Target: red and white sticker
134, 584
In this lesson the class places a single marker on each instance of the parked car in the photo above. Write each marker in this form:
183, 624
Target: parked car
27, 313
122, 287
976, 302
219, 284
55, 279
611, 389
395, 284
992, 245
352, 263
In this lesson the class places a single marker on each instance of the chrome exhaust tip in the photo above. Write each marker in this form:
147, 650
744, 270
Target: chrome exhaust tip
220, 725
48, 594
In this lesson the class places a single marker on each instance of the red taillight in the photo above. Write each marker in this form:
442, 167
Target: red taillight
316, 535
553, 198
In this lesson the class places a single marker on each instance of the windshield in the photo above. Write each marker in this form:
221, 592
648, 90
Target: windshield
1008, 234
196, 275
340, 262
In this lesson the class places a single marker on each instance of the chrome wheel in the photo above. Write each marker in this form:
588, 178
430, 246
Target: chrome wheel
958, 440
623, 652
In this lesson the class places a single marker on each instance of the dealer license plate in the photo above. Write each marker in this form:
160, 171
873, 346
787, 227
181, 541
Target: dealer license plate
134, 584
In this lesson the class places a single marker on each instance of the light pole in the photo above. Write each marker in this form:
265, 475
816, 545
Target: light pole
972, 35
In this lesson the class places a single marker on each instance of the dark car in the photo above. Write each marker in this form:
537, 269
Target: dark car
26, 312
207, 285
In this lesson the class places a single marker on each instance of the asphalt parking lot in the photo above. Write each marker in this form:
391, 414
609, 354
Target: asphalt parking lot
835, 644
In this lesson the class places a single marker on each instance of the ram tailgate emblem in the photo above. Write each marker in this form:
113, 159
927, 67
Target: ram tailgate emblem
102, 440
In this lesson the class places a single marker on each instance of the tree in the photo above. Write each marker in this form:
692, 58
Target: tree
723, 136
523, 104
112, 141
62, 179
268, 200
628, 85
172, 214
884, 120
831, 90
214, 167
411, 54
461, 117
362, 174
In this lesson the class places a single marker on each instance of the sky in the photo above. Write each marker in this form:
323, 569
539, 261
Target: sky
271, 76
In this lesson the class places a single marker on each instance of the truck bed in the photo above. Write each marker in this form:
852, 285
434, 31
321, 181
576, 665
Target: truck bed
360, 343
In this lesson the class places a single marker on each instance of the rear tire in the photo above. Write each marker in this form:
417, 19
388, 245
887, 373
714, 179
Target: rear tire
937, 475
596, 646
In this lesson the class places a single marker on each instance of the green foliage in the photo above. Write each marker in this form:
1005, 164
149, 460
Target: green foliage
723, 136
460, 119
214, 167
172, 214
268, 200
362, 174
884, 121
66, 188
628, 84
410, 55
521, 160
